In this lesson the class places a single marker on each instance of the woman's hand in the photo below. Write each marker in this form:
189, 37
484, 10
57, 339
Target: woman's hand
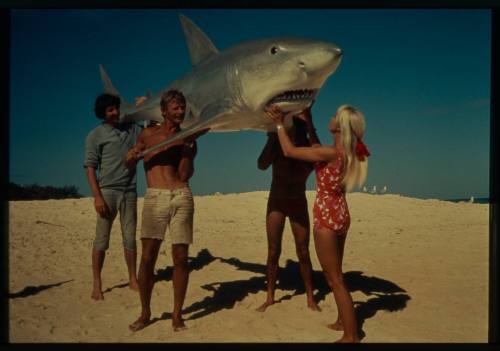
305, 115
140, 100
276, 114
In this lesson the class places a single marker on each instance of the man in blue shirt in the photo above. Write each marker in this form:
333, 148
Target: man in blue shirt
113, 186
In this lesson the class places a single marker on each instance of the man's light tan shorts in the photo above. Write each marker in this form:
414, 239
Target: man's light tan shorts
168, 208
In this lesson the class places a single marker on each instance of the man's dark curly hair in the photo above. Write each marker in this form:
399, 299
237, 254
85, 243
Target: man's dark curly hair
102, 102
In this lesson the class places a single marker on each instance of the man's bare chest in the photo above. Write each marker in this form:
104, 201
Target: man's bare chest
156, 137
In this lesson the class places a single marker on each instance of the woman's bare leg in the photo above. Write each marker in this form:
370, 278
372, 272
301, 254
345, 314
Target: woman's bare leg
338, 323
328, 250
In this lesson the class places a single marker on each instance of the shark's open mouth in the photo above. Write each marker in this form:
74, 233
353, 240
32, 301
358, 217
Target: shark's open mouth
294, 95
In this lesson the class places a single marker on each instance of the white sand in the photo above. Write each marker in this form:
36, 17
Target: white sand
418, 270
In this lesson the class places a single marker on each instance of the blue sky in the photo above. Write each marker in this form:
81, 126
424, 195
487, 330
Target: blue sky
422, 78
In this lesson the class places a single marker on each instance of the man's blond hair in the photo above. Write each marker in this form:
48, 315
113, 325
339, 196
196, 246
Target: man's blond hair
171, 95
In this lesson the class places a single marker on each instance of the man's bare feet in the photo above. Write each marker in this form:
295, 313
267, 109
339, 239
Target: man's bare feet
140, 323
133, 284
265, 305
178, 324
336, 326
97, 294
347, 340
313, 306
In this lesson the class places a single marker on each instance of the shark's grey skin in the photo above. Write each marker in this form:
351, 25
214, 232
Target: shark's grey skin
229, 90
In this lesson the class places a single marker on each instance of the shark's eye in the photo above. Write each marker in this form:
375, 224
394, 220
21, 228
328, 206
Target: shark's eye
274, 50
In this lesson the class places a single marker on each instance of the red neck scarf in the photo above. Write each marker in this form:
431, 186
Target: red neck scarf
361, 150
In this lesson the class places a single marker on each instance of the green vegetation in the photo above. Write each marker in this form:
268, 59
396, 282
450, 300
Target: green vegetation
38, 192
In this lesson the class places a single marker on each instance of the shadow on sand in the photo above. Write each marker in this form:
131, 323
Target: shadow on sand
33, 290
386, 295
201, 260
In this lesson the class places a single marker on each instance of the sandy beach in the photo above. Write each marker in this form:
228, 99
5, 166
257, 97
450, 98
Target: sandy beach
417, 270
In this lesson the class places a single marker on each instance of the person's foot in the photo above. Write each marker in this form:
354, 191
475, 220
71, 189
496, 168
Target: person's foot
347, 340
313, 306
336, 326
178, 324
133, 284
265, 305
141, 323
97, 294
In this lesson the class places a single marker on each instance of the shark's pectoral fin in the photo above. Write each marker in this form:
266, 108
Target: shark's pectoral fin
141, 114
211, 117
199, 45
183, 134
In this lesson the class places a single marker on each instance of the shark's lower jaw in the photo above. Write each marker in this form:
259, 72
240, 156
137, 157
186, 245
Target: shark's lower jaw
293, 100
293, 96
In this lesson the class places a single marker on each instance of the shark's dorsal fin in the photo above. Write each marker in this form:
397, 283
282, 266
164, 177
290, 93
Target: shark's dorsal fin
108, 84
199, 45
110, 89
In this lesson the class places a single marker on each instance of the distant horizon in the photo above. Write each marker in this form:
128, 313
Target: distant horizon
423, 95
480, 198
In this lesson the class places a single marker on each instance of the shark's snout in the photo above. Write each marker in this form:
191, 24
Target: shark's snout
319, 59
333, 48
315, 62
338, 51
329, 56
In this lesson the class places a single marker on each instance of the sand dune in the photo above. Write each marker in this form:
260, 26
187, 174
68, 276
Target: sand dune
417, 269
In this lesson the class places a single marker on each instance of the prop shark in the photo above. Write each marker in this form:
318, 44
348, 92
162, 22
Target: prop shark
230, 90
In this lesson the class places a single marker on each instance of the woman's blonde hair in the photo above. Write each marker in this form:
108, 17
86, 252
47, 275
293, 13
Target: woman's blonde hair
352, 129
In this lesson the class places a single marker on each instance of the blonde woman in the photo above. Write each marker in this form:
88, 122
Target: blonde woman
339, 168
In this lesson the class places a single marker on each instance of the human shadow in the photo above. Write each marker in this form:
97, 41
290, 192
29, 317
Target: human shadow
367, 309
33, 290
202, 259
117, 286
387, 296
225, 296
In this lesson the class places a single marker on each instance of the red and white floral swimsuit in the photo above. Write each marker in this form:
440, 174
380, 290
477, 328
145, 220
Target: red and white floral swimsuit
330, 208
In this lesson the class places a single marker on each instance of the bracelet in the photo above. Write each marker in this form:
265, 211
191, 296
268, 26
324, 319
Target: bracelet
279, 126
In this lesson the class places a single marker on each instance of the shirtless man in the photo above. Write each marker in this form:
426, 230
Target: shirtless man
287, 199
168, 203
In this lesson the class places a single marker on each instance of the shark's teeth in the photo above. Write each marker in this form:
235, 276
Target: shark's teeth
294, 95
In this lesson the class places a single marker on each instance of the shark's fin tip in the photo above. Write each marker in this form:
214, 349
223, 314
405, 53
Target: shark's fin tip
199, 45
